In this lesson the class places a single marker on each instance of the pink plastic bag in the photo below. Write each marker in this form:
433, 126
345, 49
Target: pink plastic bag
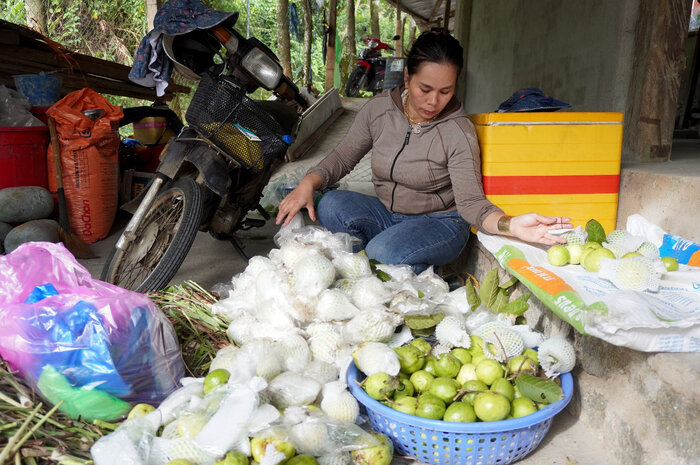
97, 347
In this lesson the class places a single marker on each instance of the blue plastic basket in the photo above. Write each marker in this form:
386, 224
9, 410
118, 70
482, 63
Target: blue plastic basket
442, 442
42, 90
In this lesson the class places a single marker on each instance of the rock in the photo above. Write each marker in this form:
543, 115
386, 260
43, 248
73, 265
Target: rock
22, 204
32, 231
4, 229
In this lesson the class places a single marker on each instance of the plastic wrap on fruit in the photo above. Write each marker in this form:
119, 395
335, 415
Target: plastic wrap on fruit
321, 371
334, 305
295, 352
313, 274
325, 341
400, 338
530, 338
478, 318
375, 357
432, 285
266, 357
352, 265
556, 356
287, 232
338, 403
410, 302
289, 389
371, 324
397, 273
370, 292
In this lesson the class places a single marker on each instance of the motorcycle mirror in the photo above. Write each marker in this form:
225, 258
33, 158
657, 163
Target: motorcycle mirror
396, 37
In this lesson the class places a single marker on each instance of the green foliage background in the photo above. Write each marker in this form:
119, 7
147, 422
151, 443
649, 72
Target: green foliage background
109, 28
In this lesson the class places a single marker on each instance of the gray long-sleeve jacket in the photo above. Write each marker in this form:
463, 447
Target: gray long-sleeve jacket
436, 170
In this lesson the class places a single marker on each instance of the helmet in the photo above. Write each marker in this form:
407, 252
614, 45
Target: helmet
192, 53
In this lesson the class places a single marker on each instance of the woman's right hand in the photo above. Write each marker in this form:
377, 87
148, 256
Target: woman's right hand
301, 197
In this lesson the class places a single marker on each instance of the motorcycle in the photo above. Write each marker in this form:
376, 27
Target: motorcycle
213, 173
370, 71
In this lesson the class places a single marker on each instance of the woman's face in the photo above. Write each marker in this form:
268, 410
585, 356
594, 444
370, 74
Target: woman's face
429, 89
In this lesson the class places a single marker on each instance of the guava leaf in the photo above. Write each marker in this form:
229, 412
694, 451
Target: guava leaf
420, 294
516, 307
383, 276
524, 297
501, 300
538, 389
426, 332
489, 288
423, 321
472, 296
511, 282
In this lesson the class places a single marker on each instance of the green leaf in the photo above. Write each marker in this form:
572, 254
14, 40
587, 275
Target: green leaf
420, 294
524, 297
501, 300
538, 389
489, 288
511, 282
516, 307
384, 276
426, 332
472, 296
423, 321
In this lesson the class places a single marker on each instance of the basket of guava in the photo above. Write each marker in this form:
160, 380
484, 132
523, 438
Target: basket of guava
461, 407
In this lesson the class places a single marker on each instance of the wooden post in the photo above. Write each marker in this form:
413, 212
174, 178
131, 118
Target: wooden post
397, 43
655, 82
448, 10
330, 48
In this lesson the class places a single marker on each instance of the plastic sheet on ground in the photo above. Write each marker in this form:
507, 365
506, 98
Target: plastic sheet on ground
663, 321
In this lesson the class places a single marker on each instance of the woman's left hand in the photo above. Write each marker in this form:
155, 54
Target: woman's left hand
533, 227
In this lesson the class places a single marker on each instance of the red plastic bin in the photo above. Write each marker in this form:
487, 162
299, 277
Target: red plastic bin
23, 156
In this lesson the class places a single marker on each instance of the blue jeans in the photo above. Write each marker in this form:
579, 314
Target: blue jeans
393, 238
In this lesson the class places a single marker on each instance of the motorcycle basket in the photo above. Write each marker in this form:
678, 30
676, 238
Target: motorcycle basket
222, 112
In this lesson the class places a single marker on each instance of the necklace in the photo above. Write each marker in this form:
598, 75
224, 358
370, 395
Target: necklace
416, 125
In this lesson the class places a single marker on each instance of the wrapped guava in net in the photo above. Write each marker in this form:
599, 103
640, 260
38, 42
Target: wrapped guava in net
334, 304
352, 265
338, 403
371, 324
502, 343
369, 292
635, 273
289, 388
452, 333
376, 357
556, 356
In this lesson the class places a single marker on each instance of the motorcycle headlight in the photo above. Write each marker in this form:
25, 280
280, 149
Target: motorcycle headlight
263, 68
372, 43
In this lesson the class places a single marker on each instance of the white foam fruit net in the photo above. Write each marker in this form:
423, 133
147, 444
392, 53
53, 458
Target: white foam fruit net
634, 273
502, 343
556, 356
624, 240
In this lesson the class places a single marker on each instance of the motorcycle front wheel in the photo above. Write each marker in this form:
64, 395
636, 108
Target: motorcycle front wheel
162, 240
352, 89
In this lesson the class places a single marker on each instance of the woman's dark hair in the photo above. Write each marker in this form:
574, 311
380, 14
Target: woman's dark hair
435, 46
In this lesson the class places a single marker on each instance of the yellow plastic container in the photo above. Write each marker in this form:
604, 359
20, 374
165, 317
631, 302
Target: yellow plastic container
561, 164
152, 130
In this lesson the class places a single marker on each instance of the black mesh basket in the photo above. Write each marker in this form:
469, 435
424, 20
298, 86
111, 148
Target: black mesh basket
223, 113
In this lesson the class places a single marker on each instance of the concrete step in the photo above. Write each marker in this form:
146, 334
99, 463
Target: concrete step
636, 407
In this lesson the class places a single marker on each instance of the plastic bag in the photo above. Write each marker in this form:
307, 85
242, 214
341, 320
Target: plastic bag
93, 345
15, 109
89, 162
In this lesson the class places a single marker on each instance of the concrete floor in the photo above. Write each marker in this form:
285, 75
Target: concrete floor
212, 262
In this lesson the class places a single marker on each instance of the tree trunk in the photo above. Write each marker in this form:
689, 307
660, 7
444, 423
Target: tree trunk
398, 44
283, 37
36, 15
330, 52
152, 7
374, 19
411, 34
349, 49
308, 40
